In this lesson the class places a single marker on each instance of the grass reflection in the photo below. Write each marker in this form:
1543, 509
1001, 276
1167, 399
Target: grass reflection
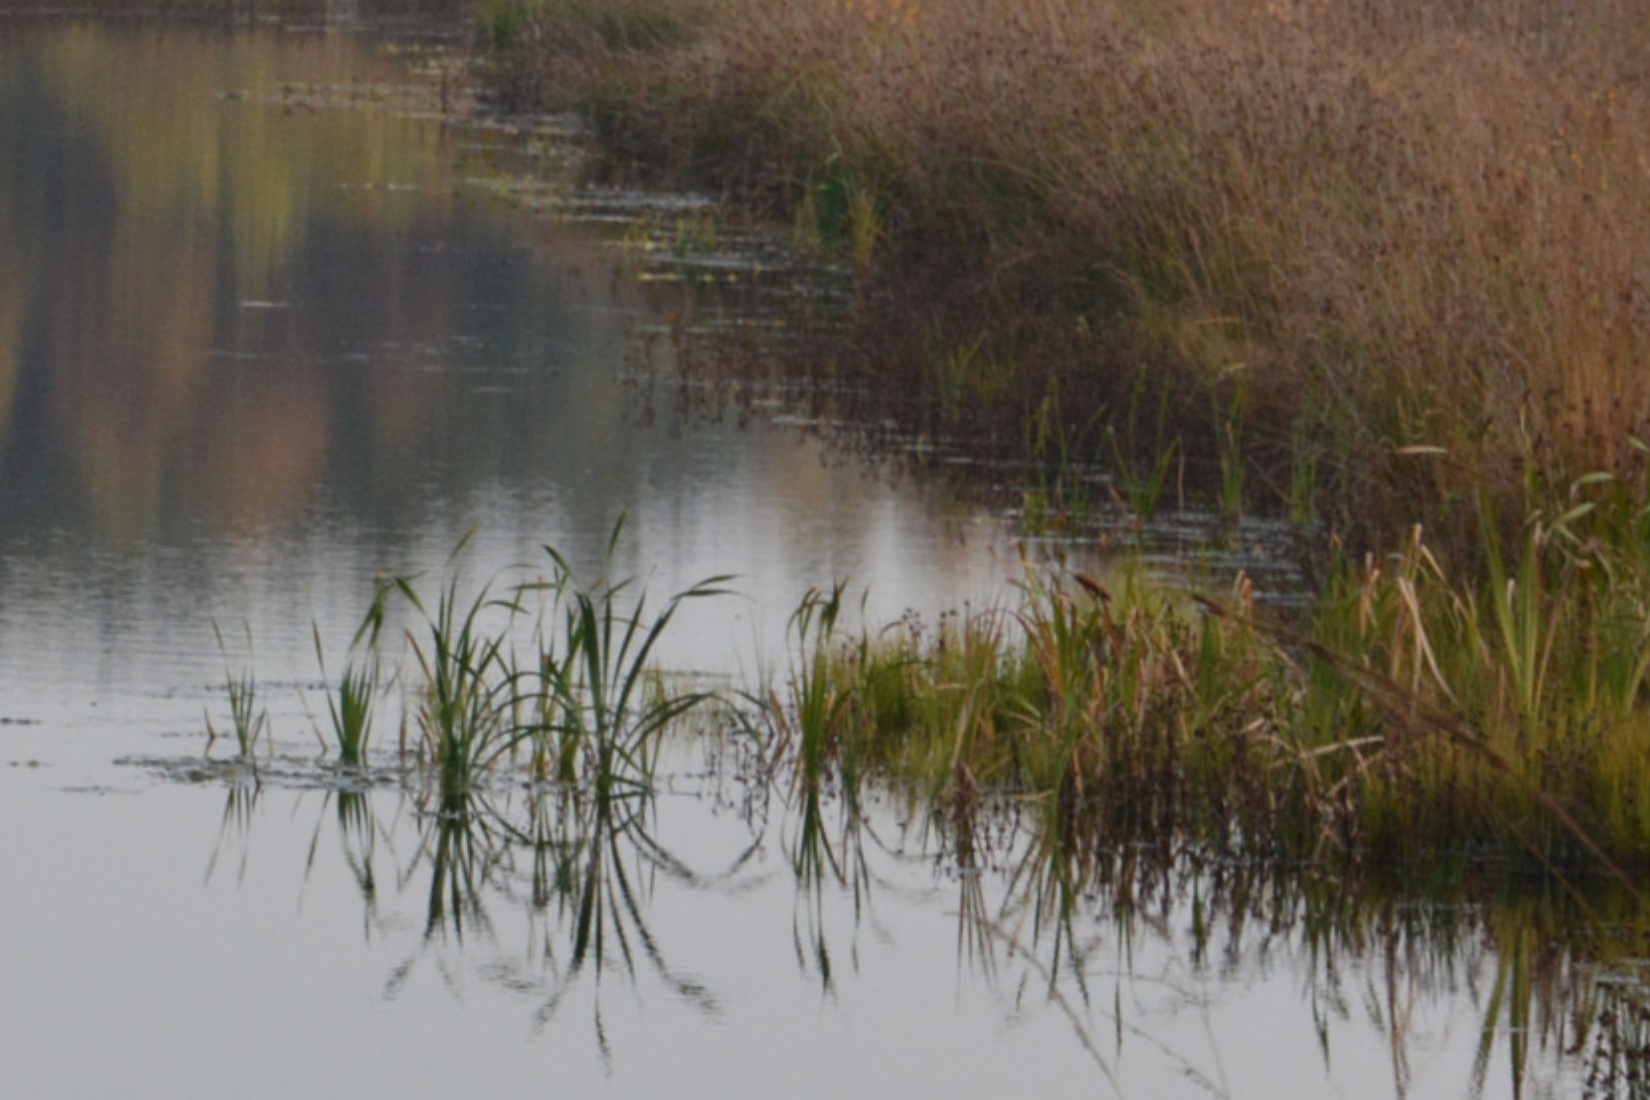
358, 835
1091, 896
1123, 944
1616, 1057
240, 808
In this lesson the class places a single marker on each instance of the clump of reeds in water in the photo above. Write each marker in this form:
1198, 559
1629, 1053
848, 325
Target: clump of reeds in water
248, 721
1130, 710
350, 704
547, 673
1409, 719
1410, 715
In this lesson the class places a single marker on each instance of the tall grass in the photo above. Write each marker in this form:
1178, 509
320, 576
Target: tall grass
1412, 235
1413, 722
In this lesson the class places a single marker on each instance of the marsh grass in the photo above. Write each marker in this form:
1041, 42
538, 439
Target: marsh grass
541, 670
468, 679
248, 721
597, 709
1408, 722
350, 705
1411, 235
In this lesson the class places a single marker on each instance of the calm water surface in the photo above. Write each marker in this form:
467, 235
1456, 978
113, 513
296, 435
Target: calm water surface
263, 334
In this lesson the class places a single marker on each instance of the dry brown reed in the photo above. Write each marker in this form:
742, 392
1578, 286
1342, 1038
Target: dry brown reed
1413, 236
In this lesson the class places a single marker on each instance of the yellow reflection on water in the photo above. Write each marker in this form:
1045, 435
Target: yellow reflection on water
177, 179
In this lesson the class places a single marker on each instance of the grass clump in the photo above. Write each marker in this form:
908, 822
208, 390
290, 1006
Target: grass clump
248, 722
466, 707
350, 705
597, 710
547, 672
1403, 725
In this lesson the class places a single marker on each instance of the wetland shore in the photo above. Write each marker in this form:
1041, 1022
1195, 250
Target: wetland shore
1380, 272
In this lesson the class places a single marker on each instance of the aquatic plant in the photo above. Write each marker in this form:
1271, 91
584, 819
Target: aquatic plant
350, 704
808, 725
247, 720
594, 712
468, 680
1393, 726
548, 668
1143, 482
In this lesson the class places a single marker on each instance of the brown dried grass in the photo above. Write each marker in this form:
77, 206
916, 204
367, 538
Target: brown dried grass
1416, 236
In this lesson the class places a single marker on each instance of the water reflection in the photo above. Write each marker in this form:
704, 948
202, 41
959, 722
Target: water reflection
1149, 960
210, 307
261, 334
583, 867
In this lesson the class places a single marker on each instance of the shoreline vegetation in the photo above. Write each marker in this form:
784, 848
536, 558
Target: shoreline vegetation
1382, 271
1103, 743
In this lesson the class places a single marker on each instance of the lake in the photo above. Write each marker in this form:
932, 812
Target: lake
272, 324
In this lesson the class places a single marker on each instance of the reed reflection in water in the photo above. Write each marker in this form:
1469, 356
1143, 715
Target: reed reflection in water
1153, 966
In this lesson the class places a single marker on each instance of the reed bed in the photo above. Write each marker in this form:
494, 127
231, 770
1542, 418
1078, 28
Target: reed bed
1381, 265
1413, 720
1403, 725
1096, 738
1408, 241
